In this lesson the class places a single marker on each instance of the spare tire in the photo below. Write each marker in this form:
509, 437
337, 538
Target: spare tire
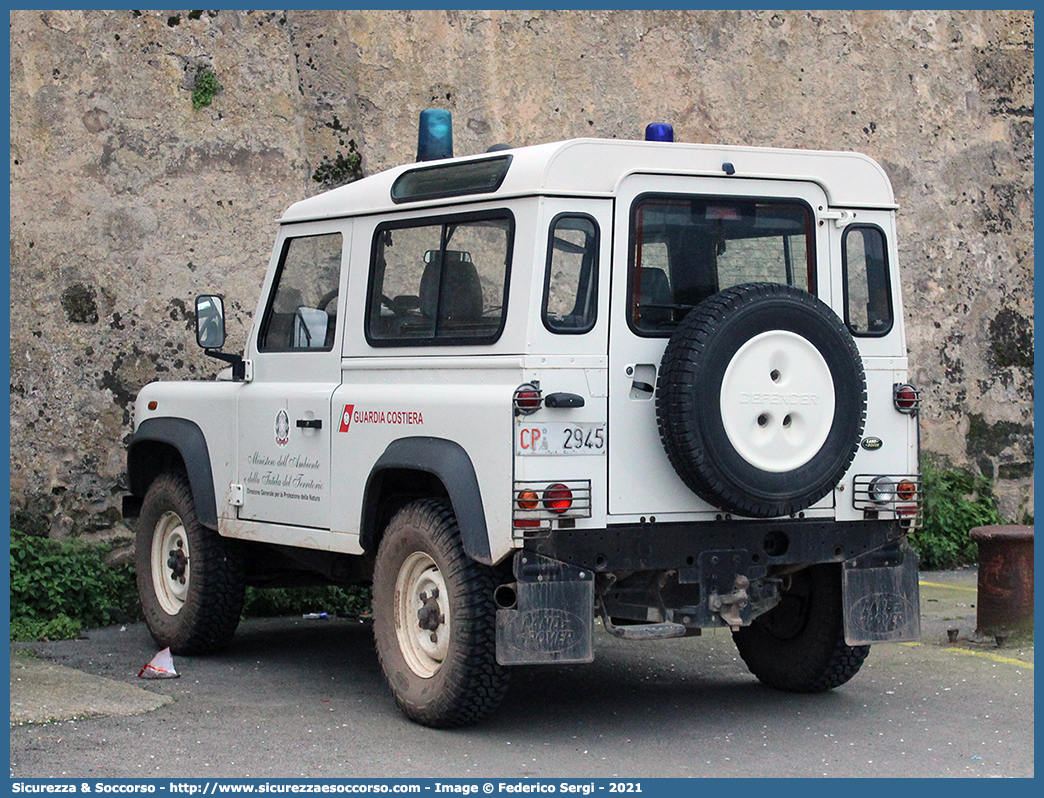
761, 400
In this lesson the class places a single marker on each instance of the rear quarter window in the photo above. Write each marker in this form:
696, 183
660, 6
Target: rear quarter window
868, 295
571, 279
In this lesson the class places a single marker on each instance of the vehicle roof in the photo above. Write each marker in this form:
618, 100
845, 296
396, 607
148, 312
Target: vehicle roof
594, 167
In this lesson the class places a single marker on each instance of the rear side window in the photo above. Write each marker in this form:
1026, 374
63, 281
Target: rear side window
571, 280
686, 248
440, 281
302, 311
868, 297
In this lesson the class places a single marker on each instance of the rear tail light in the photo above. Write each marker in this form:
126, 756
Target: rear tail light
537, 505
558, 498
900, 494
907, 399
527, 398
882, 490
528, 500
906, 490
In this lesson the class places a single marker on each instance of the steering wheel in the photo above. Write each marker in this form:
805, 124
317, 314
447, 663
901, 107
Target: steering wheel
329, 297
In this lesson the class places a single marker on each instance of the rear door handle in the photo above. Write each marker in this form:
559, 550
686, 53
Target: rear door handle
310, 423
563, 400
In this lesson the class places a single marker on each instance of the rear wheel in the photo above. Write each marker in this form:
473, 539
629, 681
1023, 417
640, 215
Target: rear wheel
190, 579
800, 644
435, 620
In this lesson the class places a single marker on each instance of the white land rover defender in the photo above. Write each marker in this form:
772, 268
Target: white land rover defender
663, 385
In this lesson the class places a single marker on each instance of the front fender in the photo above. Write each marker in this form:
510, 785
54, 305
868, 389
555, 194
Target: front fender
149, 454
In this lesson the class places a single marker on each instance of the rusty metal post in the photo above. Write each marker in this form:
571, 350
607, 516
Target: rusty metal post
1005, 601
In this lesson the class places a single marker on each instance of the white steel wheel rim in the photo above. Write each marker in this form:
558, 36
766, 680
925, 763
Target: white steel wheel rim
420, 590
777, 401
170, 584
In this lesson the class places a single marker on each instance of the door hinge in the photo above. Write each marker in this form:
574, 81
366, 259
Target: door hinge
840, 218
235, 495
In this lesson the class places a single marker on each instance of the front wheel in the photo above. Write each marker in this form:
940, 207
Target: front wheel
190, 579
799, 645
435, 620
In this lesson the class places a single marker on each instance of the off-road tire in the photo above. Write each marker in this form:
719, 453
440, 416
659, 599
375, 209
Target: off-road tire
761, 400
799, 645
200, 614
455, 681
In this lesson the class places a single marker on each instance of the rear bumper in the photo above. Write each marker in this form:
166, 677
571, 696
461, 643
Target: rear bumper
679, 546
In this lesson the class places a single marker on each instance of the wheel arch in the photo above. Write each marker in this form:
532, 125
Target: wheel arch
425, 466
162, 444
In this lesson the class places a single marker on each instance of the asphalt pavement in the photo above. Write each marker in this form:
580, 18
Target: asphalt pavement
295, 679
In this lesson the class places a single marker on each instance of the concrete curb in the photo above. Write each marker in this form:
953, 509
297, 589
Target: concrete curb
42, 692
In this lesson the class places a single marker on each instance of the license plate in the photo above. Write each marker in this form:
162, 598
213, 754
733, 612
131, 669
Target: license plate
586, 437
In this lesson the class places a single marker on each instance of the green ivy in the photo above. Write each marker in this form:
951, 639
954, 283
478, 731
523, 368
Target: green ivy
59, 588
205, 88
52, 580
955, 502
61, 627
349, 602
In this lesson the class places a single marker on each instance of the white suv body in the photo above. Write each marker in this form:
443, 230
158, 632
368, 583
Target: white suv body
499, 358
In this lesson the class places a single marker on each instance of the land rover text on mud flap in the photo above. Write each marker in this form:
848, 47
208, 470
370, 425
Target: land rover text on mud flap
659, 384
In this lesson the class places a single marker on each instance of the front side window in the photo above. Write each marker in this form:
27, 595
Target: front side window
571, 280
687, 248
439, 281
302, 311
868, 300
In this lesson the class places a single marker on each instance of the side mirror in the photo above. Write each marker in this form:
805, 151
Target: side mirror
210, 322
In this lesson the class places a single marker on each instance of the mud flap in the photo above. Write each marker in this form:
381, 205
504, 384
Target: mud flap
551, 617
881, 596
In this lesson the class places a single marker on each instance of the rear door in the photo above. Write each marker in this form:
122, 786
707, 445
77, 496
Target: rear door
678, 241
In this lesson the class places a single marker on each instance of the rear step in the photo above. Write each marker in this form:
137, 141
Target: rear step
642, 631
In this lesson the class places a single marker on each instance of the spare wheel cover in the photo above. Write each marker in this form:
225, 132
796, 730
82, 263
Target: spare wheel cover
777, 401
761, 400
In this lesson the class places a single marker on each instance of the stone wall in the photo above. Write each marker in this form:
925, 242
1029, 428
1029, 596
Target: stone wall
126, 201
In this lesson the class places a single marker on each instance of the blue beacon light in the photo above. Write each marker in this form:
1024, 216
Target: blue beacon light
659, 131
435, 135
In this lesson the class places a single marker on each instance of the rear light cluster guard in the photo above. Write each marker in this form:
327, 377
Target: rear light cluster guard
902, 495
527, 399
539, 502
906, 398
